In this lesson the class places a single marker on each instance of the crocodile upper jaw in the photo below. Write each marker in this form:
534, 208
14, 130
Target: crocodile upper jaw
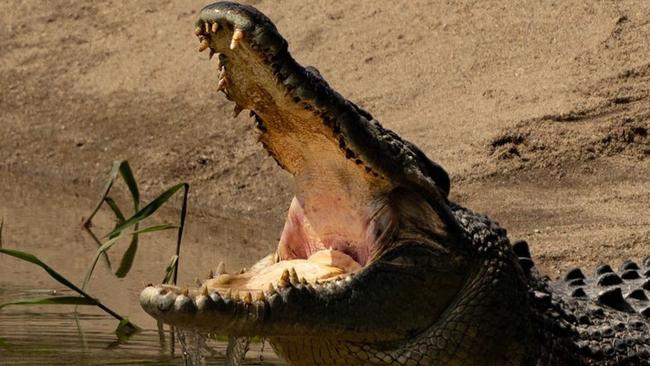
369, 219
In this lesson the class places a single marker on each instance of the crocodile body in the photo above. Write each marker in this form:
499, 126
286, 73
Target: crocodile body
375, 265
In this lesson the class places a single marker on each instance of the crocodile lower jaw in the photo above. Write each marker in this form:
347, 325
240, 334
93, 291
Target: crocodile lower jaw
225, 298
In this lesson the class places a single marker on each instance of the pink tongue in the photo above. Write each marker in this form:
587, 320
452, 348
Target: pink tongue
334, 258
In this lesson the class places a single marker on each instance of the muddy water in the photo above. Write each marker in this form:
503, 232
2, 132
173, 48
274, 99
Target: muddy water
45, 219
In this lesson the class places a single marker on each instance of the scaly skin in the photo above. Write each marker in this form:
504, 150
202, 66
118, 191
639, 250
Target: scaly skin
422, 280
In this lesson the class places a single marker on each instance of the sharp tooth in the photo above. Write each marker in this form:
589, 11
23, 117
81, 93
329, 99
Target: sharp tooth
237, 36
236, 113
215, 27
198, 282
222, 72
211, 274
212, 53
186, 292
270, 290
294, 276
204, 45
248, 299
284, 279
207, 27
260, 296
204, 290
221, 268
304, 281
198, 31
243, 270
222, 84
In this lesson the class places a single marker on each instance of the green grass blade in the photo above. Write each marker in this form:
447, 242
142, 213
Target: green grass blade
127, 175
125, 329
170, 270
100, 251
54, 300
154, 228
99, 244
116, 210
115, 170
109, 243
186, 192
149, 209
34, 260
59, 278
127, 259
129, 255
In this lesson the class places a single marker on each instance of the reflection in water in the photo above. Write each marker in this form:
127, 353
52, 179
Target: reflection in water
52, 336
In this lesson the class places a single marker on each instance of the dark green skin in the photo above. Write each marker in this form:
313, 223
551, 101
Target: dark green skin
447, 288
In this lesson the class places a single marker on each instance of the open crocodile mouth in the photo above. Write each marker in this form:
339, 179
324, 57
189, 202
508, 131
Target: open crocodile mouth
346, 169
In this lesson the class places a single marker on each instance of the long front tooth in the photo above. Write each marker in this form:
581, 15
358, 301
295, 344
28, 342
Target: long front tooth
270, 290
198, 31
207, 27
284, 279
204, 45
237, 36
294, 276
260, 296
222, 84
215, 27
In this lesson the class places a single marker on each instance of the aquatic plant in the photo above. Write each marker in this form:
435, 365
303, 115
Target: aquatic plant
124, 227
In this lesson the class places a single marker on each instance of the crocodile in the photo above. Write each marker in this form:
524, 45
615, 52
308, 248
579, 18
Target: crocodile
375, 264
